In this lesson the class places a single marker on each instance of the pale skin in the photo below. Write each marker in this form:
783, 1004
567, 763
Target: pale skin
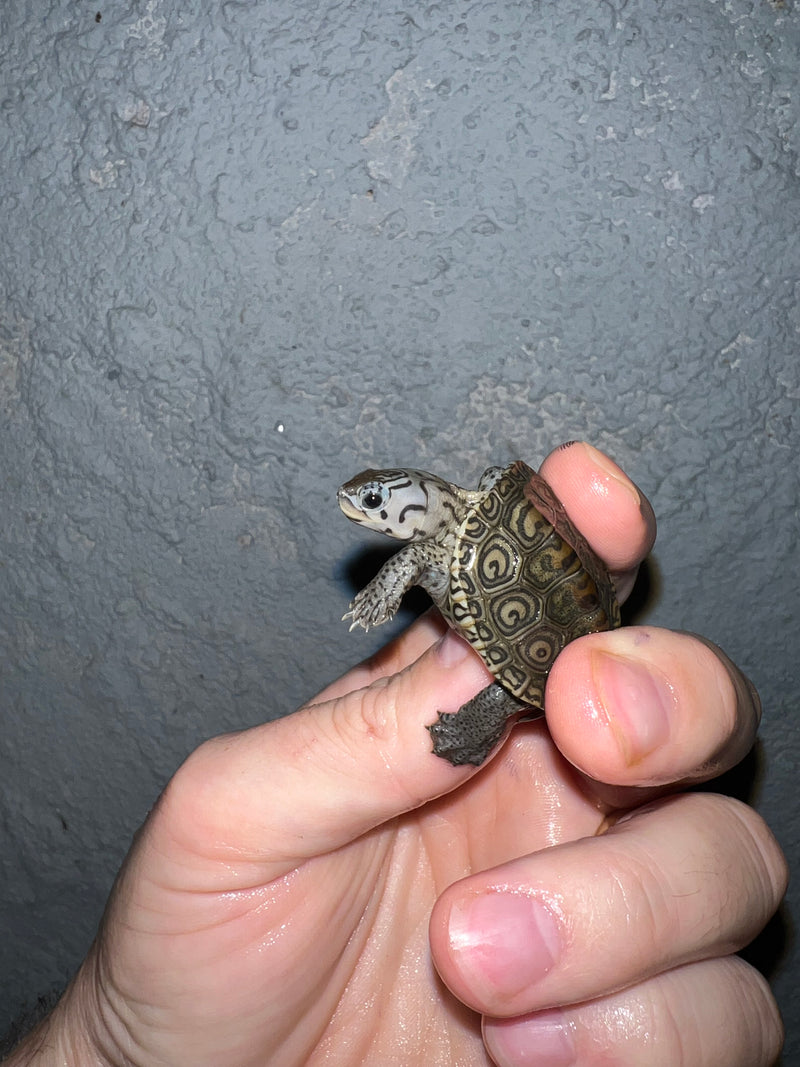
324, 890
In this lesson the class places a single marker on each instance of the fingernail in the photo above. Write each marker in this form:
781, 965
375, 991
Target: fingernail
503, 942
609, 467
638, 703
542, 1040
452, 649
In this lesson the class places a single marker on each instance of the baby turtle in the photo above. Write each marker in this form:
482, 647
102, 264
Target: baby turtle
507, 569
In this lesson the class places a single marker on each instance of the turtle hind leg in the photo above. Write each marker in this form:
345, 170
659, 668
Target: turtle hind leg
469, 734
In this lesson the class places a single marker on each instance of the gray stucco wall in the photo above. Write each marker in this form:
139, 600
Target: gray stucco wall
250, 248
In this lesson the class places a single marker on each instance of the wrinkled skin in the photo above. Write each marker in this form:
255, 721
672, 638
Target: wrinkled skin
323, 890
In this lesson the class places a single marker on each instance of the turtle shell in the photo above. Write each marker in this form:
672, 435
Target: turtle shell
524, 582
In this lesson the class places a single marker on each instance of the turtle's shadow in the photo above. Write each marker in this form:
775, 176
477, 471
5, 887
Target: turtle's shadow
743, 782
645, 593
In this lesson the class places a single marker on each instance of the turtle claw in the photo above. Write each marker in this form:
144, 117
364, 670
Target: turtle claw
370, 609
356, 620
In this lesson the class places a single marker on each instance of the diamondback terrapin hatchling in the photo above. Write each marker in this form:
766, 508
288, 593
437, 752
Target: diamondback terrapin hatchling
507, 569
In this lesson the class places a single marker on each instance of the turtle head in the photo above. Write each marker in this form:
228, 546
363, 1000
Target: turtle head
403, 503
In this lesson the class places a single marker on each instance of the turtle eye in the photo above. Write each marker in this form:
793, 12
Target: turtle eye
372, 497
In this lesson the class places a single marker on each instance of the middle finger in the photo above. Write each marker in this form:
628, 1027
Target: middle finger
685, 879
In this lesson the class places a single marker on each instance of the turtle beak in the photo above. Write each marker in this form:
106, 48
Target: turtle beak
347, 506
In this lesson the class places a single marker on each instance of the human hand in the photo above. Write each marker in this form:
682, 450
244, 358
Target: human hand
299, 885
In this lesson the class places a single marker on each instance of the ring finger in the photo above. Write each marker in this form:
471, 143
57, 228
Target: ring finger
716, 1013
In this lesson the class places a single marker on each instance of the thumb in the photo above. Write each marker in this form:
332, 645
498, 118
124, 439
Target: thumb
309, 783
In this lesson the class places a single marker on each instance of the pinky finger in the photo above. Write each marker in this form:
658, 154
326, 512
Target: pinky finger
717, 1013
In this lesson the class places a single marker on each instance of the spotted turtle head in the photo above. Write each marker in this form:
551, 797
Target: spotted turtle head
404, 503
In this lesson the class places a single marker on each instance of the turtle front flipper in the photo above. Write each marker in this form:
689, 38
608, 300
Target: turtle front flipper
379, 600
422, 563
469, 734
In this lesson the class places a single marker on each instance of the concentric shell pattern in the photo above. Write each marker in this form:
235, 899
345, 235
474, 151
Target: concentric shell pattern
524, 582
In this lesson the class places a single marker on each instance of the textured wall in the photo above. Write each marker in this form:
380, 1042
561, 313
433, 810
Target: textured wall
249, 248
